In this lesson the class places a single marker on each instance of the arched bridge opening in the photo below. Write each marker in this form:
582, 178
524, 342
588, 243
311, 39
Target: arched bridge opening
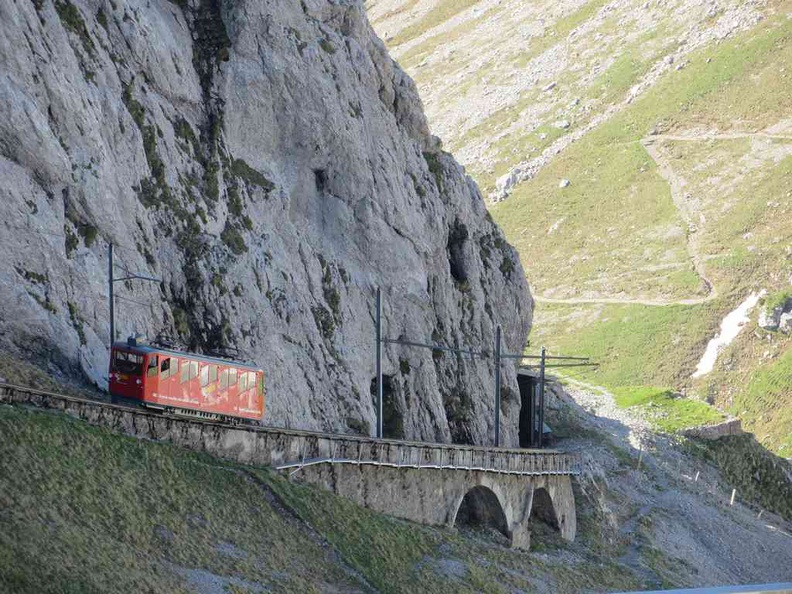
480, 508
544, 525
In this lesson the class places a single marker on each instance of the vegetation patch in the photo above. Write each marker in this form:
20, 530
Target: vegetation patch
72, 241
779, 299
244, 171
759, 477
85, 510
77, 322
435, 168
233, 239
666, 409
72, 20
33, 277
324, 321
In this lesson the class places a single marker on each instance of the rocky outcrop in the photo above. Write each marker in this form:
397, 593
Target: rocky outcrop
777, 315
712, 432
271, 164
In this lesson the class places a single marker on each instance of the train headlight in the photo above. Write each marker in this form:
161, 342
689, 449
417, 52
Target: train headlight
138, 382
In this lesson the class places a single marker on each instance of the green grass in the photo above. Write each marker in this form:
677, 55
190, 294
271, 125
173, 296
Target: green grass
626, 69
619, 213
766, 402
667, 410
615, 190
85, 510
777, 299
633, 344
758, 476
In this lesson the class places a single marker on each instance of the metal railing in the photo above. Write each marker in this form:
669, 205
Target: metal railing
440, 457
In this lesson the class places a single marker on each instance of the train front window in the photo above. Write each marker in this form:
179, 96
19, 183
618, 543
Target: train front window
127, 363
152, 366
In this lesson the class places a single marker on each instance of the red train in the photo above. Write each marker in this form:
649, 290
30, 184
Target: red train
171, 380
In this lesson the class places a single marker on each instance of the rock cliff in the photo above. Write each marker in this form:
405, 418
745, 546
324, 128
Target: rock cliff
271, 164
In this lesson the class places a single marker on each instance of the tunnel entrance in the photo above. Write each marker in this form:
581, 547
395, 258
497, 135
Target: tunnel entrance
530, 399
480, 508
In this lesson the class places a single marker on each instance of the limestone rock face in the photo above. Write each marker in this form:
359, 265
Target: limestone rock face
270, 163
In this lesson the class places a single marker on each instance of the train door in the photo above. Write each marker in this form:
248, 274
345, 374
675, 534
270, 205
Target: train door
169, 377
151, 379
260, 394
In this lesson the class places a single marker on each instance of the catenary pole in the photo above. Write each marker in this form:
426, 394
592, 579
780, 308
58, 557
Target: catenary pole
379, 363
110, 290
542, 398
497, 384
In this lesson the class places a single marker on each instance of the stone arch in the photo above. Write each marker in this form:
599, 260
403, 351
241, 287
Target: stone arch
481, 506
543, 510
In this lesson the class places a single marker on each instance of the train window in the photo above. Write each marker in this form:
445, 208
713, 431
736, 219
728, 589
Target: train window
212, 374
193, 369
224, 378
128, 363
185, 374
243, 382
232, 377
204, 375
153, 363
165, 367
261, 384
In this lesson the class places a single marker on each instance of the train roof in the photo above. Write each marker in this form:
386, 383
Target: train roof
148, 348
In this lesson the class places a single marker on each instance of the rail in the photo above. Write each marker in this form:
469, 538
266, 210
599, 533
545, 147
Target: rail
292, 449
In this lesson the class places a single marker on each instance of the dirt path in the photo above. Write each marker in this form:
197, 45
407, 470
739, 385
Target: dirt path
624, 301
726, 136
688, 209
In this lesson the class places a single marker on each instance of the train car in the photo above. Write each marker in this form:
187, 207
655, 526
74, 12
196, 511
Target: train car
175, 381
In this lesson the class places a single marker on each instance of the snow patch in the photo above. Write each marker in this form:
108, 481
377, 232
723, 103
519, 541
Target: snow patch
729, 329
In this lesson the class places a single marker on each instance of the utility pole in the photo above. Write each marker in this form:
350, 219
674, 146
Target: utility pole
110, 275
112, 280
379, 362
542, 397
497, 384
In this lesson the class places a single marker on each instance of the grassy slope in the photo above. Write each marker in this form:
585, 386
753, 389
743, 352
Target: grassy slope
651, 345
615, 229
667, 410
86, 510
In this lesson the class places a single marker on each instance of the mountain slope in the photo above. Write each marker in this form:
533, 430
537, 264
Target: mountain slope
641, 158
272, 166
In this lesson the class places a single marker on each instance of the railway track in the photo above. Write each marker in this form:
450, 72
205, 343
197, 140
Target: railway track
292, 448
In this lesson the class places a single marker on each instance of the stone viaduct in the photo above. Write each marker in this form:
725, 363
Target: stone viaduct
436, 484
